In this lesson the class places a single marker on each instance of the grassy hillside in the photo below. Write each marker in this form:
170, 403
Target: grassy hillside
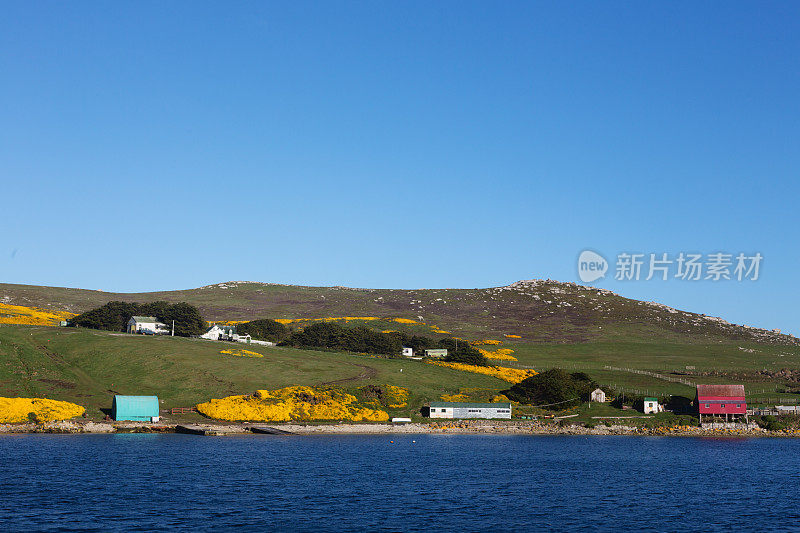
88, 367
537, 311
635, 347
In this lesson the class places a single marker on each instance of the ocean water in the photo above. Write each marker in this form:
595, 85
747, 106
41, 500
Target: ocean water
416, 483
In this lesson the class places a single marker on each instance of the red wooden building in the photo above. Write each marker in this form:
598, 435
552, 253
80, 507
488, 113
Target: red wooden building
721, 400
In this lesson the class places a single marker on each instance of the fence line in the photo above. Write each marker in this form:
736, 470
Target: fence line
656, 375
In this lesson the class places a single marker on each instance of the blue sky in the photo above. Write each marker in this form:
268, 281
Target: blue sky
155, 146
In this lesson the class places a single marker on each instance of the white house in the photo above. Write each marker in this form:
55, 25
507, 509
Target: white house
408, 352
651, 405
220, 333
598, 396
146, 324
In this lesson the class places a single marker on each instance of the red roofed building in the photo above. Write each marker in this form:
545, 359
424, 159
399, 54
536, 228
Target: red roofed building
718, 400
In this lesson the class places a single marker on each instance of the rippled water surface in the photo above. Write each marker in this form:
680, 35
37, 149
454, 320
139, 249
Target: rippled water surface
439, 482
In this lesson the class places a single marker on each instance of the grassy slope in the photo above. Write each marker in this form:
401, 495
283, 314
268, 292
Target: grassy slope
560, 324
88, 367
664, 358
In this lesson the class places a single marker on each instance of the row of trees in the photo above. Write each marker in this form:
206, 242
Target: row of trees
362, 339
264, 329
114, 316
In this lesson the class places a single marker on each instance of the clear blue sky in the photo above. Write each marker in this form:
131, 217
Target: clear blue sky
150, 146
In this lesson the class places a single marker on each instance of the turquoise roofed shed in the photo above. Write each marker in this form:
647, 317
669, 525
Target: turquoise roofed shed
137, 408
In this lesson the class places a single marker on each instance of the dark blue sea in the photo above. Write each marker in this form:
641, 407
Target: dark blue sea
417, 483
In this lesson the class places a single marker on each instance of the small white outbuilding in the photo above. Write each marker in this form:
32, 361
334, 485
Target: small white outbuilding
598, 396
651, 405
146, 324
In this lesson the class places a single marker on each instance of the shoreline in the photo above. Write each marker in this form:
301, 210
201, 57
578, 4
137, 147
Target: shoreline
413, 428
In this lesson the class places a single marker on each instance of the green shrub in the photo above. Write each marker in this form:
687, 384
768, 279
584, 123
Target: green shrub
554, 386
263, 329
769, 422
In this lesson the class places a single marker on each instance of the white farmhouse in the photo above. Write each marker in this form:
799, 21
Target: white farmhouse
598, 396
146, 325
220, 333
408, 352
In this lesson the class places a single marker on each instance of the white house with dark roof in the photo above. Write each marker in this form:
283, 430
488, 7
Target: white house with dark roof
220, 333
146, 324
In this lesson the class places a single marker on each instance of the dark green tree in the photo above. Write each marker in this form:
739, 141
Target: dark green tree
263, 329
114, 316
554, 386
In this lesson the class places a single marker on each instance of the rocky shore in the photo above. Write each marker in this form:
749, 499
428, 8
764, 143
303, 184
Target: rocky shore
454, 427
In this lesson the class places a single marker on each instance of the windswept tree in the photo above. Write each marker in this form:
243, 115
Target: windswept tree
554, 386
114, 316
263, 329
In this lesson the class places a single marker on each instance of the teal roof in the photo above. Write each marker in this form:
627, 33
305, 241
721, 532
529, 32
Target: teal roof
140, 408
472, 405
145, 318
651, 399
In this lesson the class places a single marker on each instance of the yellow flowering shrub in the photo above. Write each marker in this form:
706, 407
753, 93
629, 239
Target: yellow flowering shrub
395, 397
32, 316
460, 397
501, 354
406, 321
512, 375
437, 329
513, 336
292, 403
241, 353
500, 398
486, 341
16, 410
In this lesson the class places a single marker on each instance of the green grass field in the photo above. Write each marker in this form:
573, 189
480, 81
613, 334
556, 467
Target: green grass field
88, 367
635, 347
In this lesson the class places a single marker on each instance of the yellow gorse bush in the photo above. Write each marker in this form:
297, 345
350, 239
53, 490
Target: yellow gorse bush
512, 375
292, 403
225, 322
32, 316
241, 353
513, 336
406, 321
460, 397
326, 319
486, 341
16, 410
396, 397
501, 354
